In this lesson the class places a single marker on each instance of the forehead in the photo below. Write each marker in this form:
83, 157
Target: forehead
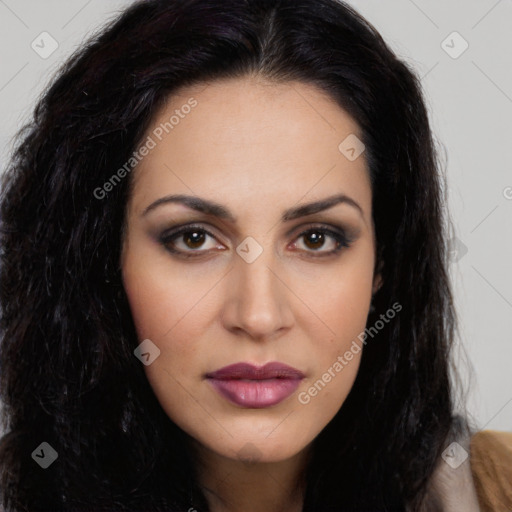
246, 137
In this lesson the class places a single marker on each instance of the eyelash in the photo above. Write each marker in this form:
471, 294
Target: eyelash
341, 239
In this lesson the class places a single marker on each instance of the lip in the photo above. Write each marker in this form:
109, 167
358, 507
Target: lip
255, 387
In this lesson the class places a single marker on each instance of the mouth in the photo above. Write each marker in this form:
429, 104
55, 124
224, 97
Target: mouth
249, 386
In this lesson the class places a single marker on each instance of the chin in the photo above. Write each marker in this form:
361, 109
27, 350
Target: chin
260, 449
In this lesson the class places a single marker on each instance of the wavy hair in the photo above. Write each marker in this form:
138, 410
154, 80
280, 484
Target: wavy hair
68, 373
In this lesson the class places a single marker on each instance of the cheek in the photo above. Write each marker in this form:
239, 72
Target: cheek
339, 301
342, 303
160, 314
167, 309
162, 296
336, 360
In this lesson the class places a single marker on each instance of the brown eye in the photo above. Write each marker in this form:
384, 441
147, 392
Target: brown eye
188, 240
194, 239
315, 239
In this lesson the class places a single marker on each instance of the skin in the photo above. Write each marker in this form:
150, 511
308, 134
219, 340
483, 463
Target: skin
257, 148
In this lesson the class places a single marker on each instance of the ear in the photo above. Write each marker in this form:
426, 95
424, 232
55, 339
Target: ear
377, 277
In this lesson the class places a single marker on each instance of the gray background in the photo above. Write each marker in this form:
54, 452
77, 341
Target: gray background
470, 99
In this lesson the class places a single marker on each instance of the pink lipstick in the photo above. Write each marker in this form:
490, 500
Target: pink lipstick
255, 387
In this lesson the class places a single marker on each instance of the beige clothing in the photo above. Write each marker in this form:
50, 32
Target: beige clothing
491, 465
481, 483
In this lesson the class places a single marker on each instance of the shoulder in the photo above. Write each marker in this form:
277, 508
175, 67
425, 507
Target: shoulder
491, 467
474, 474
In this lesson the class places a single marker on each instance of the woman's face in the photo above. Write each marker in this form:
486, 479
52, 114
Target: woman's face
258, 276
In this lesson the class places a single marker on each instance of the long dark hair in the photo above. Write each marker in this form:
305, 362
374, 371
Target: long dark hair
68, 373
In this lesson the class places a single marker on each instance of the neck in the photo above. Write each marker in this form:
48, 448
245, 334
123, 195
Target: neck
239, 486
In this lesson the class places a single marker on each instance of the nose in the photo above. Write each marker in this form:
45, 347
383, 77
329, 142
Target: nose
258, 299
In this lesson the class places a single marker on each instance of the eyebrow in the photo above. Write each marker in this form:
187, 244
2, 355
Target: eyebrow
217, 210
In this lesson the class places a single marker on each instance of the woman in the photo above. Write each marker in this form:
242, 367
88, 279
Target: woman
224, 273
